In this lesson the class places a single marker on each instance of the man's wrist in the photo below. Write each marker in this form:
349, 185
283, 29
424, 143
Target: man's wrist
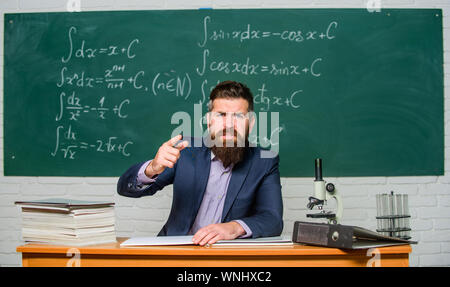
149, 171
247, 231
142, 179
238, 229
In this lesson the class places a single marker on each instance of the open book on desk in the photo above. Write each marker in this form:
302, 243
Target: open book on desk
187, 240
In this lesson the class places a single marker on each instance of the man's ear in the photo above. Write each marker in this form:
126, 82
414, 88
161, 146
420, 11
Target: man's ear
208, 119
208, 114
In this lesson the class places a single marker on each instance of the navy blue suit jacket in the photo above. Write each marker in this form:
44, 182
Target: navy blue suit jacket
253, 195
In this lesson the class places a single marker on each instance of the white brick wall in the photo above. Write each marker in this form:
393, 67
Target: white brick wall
429, 195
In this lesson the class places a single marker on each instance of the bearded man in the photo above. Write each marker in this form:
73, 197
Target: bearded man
223, 189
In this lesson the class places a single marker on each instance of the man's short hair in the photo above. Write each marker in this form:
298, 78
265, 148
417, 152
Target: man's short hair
231, 90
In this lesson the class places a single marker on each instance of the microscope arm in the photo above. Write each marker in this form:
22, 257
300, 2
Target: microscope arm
339, 206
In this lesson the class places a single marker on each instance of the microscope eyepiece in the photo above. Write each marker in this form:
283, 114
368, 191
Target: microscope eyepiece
318, 164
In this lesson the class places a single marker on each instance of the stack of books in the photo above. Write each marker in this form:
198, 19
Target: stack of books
67, 222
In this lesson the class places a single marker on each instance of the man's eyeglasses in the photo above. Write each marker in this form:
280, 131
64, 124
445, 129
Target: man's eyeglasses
235, 116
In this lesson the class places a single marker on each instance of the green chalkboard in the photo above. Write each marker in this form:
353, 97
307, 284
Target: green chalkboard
90, 93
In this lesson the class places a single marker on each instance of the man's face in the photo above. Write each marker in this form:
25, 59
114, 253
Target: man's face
228, 122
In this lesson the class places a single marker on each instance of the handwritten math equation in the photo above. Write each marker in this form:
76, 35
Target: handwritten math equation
116, 69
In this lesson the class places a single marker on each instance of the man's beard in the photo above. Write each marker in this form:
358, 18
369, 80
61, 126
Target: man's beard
230, 152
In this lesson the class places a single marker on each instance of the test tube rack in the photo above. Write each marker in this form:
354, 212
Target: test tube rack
393, 215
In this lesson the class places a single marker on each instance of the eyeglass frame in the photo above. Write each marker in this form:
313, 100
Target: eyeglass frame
236, 116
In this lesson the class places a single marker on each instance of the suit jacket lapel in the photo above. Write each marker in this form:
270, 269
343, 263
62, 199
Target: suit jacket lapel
239, 173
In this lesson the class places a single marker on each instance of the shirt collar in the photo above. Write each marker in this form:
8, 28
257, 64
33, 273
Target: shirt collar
214, 158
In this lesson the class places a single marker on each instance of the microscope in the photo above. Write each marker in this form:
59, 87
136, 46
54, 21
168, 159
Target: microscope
322, 193
334, 234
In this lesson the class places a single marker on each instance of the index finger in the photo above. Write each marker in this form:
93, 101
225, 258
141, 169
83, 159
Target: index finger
182, 145
174, 140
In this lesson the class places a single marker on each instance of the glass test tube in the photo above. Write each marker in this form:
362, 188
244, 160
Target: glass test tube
406, 222
392, 212
400, 221
384, 210
379, 213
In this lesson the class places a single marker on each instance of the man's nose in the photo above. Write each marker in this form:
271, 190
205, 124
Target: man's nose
229, 121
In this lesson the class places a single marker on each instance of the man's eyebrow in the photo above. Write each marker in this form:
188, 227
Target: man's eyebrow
221, 112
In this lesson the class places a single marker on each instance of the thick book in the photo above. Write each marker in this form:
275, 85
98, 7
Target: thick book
342, 236
67, 222
62, 204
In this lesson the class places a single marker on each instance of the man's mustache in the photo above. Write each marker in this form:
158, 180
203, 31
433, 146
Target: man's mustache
228, 132
240, 140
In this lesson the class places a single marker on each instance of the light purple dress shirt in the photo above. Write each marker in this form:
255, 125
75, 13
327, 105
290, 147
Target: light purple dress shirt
210, 211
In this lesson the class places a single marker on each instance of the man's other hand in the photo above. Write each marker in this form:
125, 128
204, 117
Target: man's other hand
212, 233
